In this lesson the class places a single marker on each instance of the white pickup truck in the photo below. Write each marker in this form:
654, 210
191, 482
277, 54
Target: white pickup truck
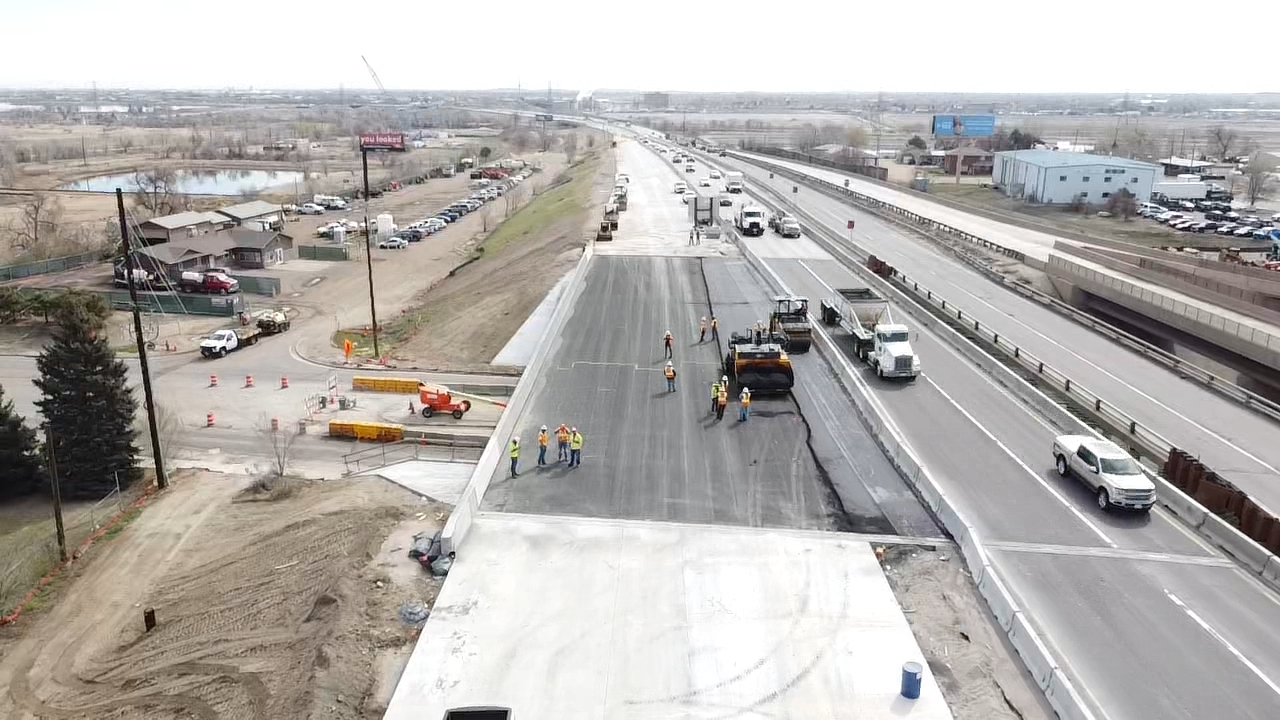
1115, 478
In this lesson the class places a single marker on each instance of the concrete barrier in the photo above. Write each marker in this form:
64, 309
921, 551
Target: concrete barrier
1237, 544
972, 552
1035, 656
1179, 503
463, 516
1065, 700
1271, 572
998, 599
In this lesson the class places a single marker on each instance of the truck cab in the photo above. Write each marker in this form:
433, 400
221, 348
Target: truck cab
892, 354
750, 220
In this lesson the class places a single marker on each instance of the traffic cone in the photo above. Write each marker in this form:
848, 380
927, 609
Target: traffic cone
248, 381
284, 382
213, 381
208, 420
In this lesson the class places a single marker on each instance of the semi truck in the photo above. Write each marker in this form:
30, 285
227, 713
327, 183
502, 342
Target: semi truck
878, 341
1181, 190
733, 182
702, 210
750, 220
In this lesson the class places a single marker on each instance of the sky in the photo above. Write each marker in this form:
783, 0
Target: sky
1110, 46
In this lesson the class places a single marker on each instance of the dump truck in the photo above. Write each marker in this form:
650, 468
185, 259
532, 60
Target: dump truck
611, 215
790, 321
878, 341
758, 361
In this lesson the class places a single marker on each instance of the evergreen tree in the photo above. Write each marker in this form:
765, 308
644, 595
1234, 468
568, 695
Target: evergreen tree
20, 468
87, 404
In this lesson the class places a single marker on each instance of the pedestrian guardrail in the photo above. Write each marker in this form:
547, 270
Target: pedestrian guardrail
382, 455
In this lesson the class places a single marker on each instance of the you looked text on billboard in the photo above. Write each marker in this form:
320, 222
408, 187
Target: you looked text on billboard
382, 141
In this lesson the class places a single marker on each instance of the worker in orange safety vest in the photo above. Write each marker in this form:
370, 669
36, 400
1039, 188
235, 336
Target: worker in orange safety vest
562, 440
721, 401
542, 446
670, 372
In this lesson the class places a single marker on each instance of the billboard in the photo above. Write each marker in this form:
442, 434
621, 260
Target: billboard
382, 141
964, 125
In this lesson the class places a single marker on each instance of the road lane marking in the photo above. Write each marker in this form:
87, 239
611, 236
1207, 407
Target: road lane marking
1218, 636
1044, 484
1116, 553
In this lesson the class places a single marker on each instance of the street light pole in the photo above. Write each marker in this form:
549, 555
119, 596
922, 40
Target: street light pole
368, 249
162, 478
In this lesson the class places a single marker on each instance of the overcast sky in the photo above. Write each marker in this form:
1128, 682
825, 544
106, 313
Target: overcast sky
784, 45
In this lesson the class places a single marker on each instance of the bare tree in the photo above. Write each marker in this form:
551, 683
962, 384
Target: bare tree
168, 426
545, 139
520, 141
1121, 204
278, 443
1222, 139
511, 200
157, 191
1261, 176
37, 224
570, 146
487, 220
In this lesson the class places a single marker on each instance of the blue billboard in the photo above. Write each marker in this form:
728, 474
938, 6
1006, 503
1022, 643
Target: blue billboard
964, 125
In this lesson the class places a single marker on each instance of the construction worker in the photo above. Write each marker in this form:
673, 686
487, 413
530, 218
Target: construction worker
666, 343
575, 448
670, 372
715, 394
722, 399
715, 328
744, 404
542, 446
514, 451
562, 439
702, 329
692, 231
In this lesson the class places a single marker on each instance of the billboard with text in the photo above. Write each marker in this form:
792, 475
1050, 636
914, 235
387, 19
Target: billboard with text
382, 141
964, 125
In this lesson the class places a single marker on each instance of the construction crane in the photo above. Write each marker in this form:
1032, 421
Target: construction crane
374, 74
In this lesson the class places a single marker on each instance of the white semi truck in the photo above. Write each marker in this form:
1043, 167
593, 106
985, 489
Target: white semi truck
750, 220
878, 341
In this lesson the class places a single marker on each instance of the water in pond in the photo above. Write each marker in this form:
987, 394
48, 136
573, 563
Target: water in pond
198, 182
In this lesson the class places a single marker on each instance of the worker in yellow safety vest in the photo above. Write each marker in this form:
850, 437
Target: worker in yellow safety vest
562, 441
515, 456
575, 448
670, 373
542, 446
744, 404
715, 395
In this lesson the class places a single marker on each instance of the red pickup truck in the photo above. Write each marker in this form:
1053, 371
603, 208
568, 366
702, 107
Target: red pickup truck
210, 282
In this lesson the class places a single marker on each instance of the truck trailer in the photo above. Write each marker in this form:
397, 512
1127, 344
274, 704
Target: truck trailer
733, 182
878, 341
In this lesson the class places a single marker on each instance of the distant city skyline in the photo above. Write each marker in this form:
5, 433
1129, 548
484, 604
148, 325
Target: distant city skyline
1094, 46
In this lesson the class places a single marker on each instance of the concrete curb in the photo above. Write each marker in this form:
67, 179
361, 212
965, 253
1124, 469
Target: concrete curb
459, 524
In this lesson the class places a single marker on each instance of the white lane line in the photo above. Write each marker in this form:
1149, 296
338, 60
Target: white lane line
1036, 476
1218, 636
1208, 431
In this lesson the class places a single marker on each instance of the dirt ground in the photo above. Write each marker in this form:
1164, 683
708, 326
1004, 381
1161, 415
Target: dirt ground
266, 608
951, 623
466, 320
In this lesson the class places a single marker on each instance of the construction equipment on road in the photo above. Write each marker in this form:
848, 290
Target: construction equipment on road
758, 361
605, 232
611, 215
790, 319
437, 398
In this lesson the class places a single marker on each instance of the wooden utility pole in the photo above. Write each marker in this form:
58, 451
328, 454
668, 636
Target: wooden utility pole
57, 494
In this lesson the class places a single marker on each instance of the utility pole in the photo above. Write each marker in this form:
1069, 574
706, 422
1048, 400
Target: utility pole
162, 477
368, 249
57, 493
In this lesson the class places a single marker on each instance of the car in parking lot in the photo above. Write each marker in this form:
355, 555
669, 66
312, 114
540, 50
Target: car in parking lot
1182, 224
393, 243
1169, 217
310, 209
411, 234
1245, 231
1227, 229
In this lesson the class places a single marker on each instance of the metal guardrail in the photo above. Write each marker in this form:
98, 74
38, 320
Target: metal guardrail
1143, 441
1218, 384
385, 454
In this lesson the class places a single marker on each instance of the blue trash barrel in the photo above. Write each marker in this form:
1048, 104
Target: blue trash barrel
912, 673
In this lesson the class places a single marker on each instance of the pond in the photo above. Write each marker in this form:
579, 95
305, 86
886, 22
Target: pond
197, 182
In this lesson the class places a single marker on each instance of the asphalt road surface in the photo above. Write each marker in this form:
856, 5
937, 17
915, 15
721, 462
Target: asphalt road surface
649, 454
1234, 441
1149, 619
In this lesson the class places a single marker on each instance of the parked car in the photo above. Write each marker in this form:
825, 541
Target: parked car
1227, 229
310, 209
1245, 231
411, 234
1207, 226
394, 243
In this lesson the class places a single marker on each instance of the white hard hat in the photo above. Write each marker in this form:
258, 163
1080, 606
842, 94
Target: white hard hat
544, 427
668, 363
573, 429
724, 378
515, 439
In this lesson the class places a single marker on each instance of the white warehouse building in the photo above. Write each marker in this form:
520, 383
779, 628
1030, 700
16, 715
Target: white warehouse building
1052, 177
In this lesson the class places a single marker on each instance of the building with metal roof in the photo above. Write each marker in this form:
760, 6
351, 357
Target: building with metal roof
256, 215
1061, 178
183, 225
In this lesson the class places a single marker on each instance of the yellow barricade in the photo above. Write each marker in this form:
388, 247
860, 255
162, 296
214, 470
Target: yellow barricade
406, 386
342, 428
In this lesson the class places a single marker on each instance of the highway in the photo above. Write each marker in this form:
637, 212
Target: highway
1232, 440
653, 455
1149, 620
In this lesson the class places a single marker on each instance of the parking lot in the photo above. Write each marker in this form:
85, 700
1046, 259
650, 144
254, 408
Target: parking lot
1212, 216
